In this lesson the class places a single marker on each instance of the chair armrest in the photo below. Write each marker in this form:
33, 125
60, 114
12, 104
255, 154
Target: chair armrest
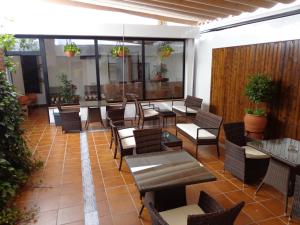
150, 106
205, 128
208, 204
126, 137
116, 122
166, 148
235, 151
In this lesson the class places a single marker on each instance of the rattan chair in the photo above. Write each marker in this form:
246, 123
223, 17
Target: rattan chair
148, 114
207, 212
190, 107
296, 201
124, 137
70, 121
244, 162
93, 116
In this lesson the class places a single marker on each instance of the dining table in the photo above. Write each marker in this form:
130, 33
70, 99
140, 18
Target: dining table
283, 166
162, 177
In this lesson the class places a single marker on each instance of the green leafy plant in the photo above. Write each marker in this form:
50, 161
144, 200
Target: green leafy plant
72, 47
28, 44
165, 50
67, 89
16, 161
119, 51
259, 89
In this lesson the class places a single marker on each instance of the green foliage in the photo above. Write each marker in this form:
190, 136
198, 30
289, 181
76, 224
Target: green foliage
13, 215
165, 50
259, 88
256, 112
7, 42
28, 44
67, 89
16, 162
72, 47
119, 51
9, 64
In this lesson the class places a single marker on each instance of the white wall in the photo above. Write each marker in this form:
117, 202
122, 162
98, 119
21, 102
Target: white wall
269, 31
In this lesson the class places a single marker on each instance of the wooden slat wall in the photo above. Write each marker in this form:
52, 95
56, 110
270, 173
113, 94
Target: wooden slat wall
230, 70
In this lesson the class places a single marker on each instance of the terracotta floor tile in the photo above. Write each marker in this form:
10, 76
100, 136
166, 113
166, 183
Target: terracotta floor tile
70, 200
69, 215
47, 204
243, 219
116, 192
126, 219
106, 220
276, 206
103, 208
237, 196
113, 181
47, 218
121, 205
272, 222
257, 212
224, 200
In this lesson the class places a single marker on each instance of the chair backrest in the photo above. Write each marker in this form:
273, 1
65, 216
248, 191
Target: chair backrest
124, 102
138, 108
147, 140
223, 217
116, 114
296, 201
235, 133
94, 114
193, 102
208, 120
68, 116
155, 217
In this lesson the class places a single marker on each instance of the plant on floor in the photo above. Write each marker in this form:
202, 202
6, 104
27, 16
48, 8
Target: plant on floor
119, 51
71, 49
259, 89
67, 89
16, 161
7, 43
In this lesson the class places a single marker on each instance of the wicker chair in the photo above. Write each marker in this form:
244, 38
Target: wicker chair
190, 107
149, 114
123, 136
204, 130
207, 212
296, 201
70, 121
94, 116
244, 162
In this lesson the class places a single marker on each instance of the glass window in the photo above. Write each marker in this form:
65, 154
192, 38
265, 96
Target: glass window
71, 78
27, 44
120, 69
164, 69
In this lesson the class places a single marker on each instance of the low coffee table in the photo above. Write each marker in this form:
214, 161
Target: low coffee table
170, 140
165, 114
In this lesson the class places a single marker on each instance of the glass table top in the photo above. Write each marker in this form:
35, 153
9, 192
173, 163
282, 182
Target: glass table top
168, 137
284, 149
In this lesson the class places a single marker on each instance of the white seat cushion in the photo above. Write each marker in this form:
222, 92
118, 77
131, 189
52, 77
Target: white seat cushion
252, 153
178, 216
150, 112
128, 143
184, 109
191, 130
127, 132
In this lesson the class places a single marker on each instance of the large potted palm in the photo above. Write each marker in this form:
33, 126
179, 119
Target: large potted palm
259, 89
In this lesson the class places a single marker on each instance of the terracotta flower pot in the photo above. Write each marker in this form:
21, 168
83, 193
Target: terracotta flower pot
69, 54
255, 124
23, 100
122, 53
32, 97
165, 54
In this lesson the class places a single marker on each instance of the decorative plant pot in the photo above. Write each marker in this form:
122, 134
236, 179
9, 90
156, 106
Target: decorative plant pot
255, 124
165, 54
32, 97
23, 100
158, 77
121, 53
69, 54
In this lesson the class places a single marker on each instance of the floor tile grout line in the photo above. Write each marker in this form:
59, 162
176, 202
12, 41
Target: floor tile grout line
35, 148
50, 150
91, 216
132, 200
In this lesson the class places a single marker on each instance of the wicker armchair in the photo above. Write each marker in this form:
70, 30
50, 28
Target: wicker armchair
93, 116
296, 201
147, 114
70, 121
244, 162
208, 211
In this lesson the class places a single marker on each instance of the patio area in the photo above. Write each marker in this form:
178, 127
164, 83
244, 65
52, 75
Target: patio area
57, 189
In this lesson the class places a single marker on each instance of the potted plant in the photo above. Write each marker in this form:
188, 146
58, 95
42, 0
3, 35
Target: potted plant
67, 89
259, 89
71, 49
165, 50
119, 51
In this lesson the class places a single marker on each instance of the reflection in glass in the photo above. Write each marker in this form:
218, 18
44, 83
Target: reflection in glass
26, 44
71, 79
120, 69
164, 69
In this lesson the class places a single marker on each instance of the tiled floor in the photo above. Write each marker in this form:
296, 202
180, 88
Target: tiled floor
57, 188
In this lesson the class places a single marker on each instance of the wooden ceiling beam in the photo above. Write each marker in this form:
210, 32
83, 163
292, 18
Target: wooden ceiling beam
255, 3
188, 6
169, 8
225, 5
131, 12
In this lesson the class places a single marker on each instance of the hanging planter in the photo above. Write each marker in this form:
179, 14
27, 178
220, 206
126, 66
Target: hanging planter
71, 49
165, 51
119, 51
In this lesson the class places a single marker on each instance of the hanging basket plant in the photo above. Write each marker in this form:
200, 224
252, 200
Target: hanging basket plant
71, 49
119, 51
165, 51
